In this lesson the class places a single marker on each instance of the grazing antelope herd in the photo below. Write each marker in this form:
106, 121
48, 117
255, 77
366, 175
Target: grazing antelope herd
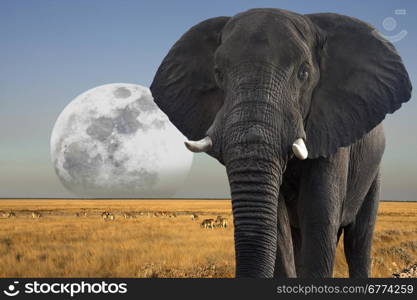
8, 214
210, 223
220, 222
11, 214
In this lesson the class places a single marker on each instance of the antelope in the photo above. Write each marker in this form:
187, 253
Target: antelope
194, 217
221, 222
111, 217
105, 215
36, 215
208, 223
9, 214
164, 214
171, 215
128, 215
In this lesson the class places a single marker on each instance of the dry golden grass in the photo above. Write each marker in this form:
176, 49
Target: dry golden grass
60, 244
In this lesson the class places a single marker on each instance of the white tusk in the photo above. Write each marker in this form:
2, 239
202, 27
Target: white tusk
202, 145
299, 148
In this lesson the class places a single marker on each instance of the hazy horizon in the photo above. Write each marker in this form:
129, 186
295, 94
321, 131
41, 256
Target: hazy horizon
156, 199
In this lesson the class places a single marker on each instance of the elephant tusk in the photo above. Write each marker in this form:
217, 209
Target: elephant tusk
202, 145
299, 148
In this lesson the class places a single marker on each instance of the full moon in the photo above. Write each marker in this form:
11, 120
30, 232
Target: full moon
114, 141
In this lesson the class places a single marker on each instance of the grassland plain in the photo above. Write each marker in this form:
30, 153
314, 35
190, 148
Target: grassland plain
71, 239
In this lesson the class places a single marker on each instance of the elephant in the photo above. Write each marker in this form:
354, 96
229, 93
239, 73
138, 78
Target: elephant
292, 106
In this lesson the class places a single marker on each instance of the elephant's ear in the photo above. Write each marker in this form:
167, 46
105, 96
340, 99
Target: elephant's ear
362, 78
184, 86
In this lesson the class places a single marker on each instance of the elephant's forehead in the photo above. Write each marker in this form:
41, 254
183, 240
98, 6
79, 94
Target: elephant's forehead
266, 35
268, 23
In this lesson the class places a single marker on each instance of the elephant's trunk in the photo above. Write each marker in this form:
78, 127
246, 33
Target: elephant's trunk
254, 183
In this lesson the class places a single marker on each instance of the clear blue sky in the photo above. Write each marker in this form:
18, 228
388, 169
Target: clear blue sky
51, 51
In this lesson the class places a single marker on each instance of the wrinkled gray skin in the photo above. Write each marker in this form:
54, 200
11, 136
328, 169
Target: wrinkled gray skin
255, 83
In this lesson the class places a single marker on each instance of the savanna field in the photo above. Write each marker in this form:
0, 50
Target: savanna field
157, 238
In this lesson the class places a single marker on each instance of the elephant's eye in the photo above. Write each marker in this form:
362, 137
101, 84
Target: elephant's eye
303, 72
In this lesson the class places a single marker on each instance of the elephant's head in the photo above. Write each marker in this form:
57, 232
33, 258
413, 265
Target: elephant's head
254, 89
